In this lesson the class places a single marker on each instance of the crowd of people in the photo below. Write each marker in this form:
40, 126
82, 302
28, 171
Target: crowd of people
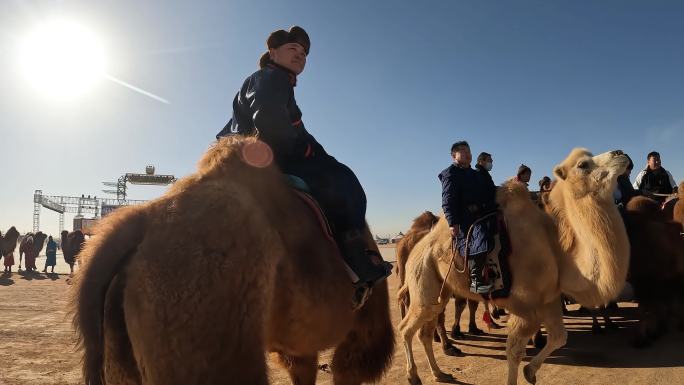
469, 201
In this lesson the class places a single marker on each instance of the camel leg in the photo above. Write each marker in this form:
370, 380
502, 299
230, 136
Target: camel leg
557, 336
408, 327
447, 347
472, 325
302, 370
520, 331
459, 306
440, 326
426, 339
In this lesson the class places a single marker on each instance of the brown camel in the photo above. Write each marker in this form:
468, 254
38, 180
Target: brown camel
194, 287
657, 266
31, 245
72, 242
422, 225
8, 242
582, 251
678, 211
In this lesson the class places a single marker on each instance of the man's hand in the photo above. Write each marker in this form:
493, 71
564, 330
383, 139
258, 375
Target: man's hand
454, 231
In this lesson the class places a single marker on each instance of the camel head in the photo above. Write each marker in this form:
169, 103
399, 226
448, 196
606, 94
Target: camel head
513, 194
583, 174
424, 221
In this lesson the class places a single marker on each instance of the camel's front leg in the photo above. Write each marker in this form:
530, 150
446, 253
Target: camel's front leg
557, 335
408, 327
519, 333
426, 333
302, 370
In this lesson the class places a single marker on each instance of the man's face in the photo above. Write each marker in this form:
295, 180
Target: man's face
462, 156
291, 56
654, 162
483, 162
525, 177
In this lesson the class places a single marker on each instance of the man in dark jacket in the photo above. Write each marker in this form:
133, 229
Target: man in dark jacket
655, 179
624, 191
467, 201
265, 106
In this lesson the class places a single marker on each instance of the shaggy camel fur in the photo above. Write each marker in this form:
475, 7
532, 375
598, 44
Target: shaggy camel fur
8, 242
585, 253
657, 266
38, 241
678, 212
194, 287
72, 242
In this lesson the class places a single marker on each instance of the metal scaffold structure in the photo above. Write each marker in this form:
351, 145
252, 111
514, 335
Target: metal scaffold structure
94, 206
78, 205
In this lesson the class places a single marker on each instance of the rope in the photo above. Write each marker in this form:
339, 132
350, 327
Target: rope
465, 256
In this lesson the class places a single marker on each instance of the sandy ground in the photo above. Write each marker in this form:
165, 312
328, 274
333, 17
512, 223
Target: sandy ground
37, 347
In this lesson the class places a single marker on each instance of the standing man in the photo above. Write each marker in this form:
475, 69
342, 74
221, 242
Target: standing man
654, 179
467, 197
265, 106
50, 254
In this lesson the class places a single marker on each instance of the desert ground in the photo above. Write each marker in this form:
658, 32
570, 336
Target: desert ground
37, 345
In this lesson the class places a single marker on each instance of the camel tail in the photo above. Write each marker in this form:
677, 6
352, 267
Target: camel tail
403, 296
104, 256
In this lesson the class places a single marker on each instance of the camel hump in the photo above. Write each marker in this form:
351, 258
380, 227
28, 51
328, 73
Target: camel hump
103, 258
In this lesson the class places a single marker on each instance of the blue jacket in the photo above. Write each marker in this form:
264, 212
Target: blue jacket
468, 195
265, 105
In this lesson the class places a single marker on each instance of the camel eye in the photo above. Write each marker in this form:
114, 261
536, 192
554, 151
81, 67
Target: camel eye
583, 165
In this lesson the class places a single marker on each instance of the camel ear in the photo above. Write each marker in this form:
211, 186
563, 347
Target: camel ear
559, 171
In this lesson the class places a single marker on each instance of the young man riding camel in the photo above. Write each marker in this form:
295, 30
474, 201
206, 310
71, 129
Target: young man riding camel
265, 106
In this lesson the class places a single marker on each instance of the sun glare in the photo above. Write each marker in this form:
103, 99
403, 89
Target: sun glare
61, 59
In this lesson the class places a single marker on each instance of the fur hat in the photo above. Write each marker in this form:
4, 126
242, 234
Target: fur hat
277, 38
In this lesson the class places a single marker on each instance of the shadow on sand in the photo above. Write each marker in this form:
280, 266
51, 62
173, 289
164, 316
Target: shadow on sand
6, 280
610, 349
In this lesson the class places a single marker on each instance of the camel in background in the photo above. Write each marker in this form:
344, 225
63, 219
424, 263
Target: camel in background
582, 250
8, 243
72, 242
231, 262
31, 245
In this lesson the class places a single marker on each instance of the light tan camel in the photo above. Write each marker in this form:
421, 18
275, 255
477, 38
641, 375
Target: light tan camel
678, 212
195, 287
585, 254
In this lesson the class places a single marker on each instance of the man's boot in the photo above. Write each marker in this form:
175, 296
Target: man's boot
368, 266
476, 266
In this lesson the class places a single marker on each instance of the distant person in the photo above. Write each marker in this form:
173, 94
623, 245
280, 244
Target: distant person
524, 174
654, 179
31, 255
9, 262
624, 191
51, 254
544, 184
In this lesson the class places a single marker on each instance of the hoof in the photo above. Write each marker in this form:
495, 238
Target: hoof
530, 376
456, 334
325, 368
475, 331
444, 377
596, 329
539, 341
415, 381
451, 350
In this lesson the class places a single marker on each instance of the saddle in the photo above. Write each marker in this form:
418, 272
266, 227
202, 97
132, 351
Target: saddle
304, 193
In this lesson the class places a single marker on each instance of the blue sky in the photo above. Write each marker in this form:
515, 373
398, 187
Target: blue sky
388, 87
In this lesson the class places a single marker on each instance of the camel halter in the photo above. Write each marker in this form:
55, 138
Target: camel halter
465, 256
